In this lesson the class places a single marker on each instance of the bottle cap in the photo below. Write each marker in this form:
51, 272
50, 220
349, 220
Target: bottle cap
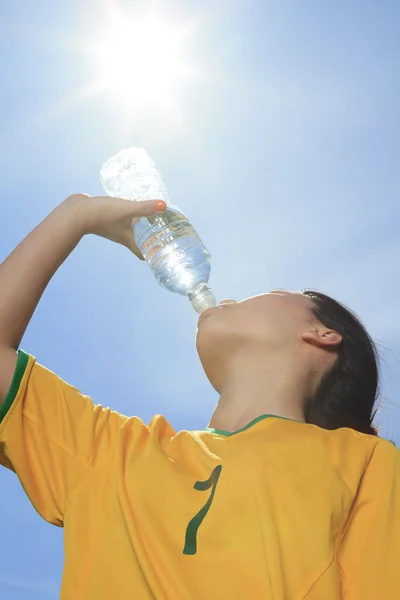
203, 300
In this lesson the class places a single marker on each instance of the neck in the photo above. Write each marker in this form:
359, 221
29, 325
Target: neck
253, 388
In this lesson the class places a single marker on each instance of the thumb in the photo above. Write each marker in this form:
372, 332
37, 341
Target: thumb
143, 208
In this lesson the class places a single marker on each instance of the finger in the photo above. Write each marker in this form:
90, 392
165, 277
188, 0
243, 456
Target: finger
129, 242
138, 208
148, 207
133, 248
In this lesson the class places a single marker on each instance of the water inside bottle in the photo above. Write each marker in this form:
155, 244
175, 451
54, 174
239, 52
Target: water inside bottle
168, 241
174, 251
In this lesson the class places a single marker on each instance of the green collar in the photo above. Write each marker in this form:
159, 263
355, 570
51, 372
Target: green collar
253, 422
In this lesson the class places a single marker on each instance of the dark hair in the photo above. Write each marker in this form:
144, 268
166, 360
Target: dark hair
347, 392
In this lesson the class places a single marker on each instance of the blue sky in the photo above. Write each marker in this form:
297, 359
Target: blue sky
281, 143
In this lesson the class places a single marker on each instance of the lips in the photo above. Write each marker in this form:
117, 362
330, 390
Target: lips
205, 314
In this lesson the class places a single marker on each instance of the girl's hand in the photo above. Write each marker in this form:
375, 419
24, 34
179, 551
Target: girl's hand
113, 218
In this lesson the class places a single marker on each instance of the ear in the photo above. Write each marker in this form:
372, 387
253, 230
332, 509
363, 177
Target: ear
326, 339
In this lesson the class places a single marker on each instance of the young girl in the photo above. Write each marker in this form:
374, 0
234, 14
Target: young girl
288, 494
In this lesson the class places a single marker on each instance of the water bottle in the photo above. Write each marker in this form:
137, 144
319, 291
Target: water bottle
169, 243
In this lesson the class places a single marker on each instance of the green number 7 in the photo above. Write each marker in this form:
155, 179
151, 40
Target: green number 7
192, 528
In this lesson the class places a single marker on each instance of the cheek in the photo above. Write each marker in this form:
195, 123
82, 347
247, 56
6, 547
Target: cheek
278, 323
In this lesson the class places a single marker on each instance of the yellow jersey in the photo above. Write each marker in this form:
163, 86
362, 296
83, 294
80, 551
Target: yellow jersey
280, 510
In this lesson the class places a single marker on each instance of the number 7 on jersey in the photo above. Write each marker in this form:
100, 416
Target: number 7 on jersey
192, 528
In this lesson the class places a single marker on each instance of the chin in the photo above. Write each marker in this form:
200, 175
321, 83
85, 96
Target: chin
212, 368
212, 348
208, 333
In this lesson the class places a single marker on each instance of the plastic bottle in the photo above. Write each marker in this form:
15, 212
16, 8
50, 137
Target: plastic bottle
169, 243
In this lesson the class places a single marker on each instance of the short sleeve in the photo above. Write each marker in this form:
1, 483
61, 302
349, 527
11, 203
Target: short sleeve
369, 552
52, 436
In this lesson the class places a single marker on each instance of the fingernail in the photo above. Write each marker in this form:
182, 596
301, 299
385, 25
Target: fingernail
161, 205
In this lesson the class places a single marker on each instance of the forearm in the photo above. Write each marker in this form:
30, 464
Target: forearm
25, 274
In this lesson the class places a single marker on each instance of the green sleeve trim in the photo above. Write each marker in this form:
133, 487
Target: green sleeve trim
22, 363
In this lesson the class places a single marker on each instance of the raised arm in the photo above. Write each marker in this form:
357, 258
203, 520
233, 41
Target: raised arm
25, 274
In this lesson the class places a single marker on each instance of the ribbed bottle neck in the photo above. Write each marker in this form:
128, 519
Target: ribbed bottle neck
202, 298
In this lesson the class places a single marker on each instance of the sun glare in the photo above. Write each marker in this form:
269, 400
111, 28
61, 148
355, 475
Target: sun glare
137, 61
140, 59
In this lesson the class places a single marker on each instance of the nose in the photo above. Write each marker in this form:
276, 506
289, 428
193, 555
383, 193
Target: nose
227, 301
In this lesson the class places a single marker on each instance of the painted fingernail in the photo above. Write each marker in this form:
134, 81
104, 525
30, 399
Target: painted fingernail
161, 205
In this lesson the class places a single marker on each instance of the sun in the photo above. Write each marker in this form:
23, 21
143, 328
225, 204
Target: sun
137, 64
139, 59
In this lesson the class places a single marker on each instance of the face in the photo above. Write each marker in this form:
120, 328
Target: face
261, 324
